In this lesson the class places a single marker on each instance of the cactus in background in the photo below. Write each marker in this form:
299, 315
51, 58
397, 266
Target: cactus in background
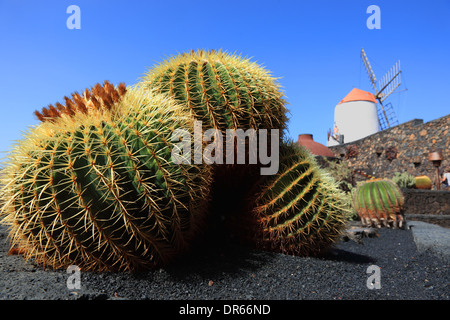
222, 90
94, 184
423, 182
379, 203
300, 210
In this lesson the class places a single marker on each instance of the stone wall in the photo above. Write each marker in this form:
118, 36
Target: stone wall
404, 147
427, 205
427, 202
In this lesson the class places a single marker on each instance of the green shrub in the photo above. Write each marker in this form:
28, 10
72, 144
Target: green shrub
404, 180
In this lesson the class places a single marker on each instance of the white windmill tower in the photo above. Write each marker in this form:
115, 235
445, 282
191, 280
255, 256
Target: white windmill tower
382, 89
355, 117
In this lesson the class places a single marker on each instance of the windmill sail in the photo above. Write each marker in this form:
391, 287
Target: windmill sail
386, 116
382, 89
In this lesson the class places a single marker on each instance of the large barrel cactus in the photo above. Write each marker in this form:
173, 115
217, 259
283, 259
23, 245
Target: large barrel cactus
299, 211
222, 90
379, 203
94, 184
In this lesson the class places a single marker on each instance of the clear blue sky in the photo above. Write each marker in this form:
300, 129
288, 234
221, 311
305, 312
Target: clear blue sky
313, 46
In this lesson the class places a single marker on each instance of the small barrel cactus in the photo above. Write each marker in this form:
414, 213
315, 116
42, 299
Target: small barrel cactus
423, 182
379, 202
299, 211
94, 185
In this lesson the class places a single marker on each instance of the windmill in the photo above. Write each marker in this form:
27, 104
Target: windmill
383, 88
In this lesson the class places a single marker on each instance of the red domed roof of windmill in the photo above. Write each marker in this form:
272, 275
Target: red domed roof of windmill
316, 148
358, 95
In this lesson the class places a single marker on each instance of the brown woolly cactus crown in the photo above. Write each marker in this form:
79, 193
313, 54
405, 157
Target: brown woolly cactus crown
99, 97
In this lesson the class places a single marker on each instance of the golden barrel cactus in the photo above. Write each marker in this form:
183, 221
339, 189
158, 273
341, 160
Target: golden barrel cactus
94, 184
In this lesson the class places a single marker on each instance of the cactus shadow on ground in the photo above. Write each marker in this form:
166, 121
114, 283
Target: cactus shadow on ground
220, 254
336, 254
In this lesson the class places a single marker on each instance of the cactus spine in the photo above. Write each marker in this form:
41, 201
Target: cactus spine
300, 210
379, 203
94, 184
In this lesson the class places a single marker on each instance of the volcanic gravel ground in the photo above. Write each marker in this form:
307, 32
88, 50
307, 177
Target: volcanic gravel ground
222, 269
